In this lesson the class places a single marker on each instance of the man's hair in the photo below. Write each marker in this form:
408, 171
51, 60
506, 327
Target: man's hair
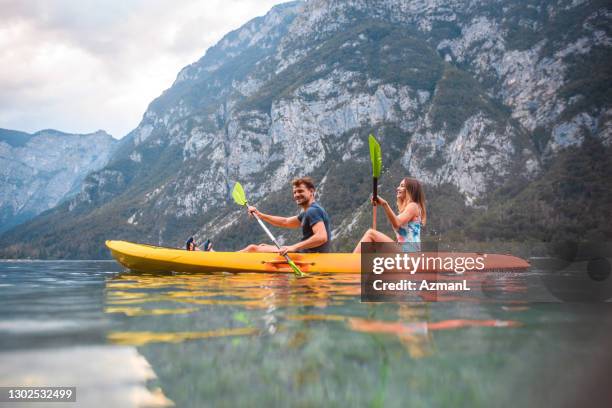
307, 181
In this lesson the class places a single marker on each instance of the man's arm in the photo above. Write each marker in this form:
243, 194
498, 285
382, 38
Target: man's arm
318, 238
285, 222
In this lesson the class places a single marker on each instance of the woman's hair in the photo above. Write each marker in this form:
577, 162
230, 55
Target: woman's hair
415, 193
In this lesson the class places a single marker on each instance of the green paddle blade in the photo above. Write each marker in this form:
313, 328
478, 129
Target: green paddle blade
296, 270
375, 156
238, 194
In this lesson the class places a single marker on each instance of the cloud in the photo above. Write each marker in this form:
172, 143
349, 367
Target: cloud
83, 65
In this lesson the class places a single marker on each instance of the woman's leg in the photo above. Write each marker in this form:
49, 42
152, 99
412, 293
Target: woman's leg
372, 235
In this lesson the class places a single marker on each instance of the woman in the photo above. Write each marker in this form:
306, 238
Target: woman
407, 224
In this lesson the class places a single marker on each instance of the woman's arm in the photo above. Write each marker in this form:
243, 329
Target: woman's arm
396, 221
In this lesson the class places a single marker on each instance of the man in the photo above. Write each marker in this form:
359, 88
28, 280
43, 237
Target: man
316, 233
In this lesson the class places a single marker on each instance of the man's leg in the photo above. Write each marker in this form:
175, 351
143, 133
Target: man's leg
259, 248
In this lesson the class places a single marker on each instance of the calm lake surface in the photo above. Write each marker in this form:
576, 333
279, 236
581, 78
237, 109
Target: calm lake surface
228, 340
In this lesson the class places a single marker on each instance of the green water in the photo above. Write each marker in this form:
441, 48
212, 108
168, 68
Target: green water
248, 340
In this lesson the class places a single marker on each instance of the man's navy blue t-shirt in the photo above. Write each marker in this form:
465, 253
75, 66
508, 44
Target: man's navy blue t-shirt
310, 217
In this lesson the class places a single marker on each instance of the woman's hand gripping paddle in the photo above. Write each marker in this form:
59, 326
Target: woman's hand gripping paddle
376, 158
240, 199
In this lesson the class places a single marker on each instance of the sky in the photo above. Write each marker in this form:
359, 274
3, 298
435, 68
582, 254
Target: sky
82, 65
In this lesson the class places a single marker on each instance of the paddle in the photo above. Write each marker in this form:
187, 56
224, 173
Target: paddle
240, 199
376, 158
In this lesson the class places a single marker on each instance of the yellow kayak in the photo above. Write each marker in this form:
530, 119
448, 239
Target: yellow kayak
149, 258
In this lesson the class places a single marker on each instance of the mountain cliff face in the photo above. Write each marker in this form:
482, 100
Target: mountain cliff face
39, 170
467, 96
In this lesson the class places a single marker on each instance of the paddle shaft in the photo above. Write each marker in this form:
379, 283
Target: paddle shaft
289, 261
267, 230
374, 197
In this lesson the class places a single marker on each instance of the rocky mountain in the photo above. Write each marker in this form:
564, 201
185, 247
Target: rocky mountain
481, 100
39, 170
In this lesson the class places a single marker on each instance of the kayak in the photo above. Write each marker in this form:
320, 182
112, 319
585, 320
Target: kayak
149, 258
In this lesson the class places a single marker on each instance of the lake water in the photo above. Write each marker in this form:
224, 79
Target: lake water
232, 340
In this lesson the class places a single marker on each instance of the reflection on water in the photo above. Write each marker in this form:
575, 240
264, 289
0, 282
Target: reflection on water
142, 294
273, 340
311, 341
141, 338
248, 290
